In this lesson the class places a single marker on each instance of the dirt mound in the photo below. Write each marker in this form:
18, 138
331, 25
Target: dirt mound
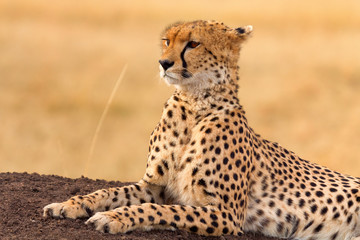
22, 197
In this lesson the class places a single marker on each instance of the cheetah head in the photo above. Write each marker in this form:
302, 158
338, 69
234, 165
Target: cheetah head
201, 54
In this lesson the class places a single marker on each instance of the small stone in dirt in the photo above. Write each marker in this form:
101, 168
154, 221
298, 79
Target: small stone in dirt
74, 190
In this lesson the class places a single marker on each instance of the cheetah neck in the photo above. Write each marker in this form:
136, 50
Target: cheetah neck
209, 99
206, 88
224, 91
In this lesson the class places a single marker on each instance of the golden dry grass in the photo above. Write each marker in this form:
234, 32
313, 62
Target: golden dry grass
300, 79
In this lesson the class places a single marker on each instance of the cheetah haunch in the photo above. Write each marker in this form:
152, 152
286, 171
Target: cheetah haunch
208, 172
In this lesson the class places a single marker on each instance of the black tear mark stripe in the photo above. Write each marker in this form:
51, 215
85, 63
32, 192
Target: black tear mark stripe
184, 72
184, 64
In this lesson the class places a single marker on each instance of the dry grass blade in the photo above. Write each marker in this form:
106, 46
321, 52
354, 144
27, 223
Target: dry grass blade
101, 121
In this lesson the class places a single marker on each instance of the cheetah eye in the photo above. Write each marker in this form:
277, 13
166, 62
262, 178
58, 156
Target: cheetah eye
193, 44
166, 42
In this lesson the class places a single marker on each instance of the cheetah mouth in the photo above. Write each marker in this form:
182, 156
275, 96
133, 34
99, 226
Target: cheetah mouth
169, 79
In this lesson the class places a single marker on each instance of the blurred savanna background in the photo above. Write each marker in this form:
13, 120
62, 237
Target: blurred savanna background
60, 59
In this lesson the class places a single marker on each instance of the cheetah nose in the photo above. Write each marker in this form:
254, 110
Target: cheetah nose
166, 64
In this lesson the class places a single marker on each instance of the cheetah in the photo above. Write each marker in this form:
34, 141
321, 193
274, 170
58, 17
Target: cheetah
207, 171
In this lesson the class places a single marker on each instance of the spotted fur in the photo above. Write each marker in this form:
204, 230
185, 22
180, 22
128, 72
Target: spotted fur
208, 172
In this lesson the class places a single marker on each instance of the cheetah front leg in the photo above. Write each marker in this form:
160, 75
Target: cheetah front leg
104, 200
207, 220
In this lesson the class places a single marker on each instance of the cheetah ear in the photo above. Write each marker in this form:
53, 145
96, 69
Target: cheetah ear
244, 32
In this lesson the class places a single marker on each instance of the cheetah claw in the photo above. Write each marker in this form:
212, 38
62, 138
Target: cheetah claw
103, 222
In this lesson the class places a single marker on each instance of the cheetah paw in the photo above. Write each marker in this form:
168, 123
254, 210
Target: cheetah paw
65, 210
106, 222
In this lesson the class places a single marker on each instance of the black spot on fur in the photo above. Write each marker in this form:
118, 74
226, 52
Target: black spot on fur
318, 228
189, 218
160, 170
193, 229
339, 198
240, 30
210, 230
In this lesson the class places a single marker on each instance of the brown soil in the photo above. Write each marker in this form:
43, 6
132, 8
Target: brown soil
22, 197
